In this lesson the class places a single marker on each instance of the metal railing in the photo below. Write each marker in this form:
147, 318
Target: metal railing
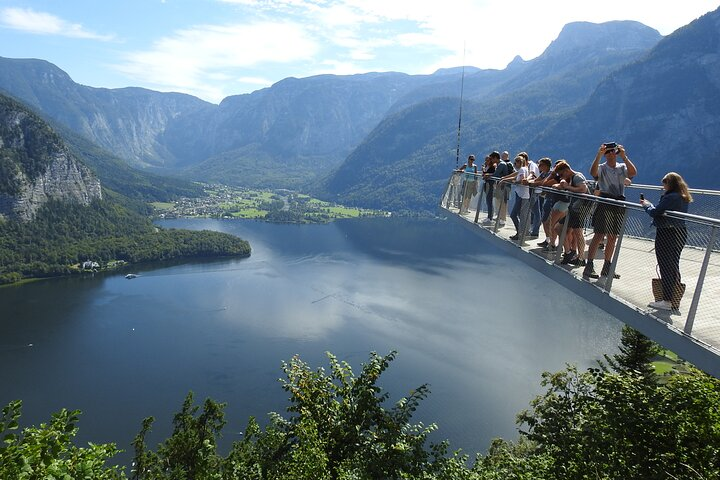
632, 263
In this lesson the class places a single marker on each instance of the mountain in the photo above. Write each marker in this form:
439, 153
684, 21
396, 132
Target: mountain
127, 121
397, 168
292, 130
36, 166
662, 108
54, 215
311, 123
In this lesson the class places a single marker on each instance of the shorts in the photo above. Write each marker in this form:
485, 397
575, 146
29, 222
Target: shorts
561, 206
608, 219
547, 207
577, 213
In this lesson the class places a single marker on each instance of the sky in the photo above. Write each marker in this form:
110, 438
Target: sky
215, 48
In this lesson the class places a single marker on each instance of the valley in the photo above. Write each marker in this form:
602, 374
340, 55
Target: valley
282, 206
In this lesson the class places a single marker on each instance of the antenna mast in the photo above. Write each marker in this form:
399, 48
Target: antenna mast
462, 88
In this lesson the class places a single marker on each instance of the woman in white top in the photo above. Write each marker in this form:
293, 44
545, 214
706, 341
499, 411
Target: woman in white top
522, 192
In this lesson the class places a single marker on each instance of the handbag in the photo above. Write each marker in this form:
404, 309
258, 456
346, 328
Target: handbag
657, 291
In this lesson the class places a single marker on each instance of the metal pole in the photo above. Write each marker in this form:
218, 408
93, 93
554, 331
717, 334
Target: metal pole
481, 189
525, 212
501, 186
561, 240
699, 285
616, 253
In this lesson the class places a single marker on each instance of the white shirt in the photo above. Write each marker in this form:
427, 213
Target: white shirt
523, 191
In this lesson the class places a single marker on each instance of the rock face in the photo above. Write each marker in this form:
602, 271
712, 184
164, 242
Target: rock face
36, 166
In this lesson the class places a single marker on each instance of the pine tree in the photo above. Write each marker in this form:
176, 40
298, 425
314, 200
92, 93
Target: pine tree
636, 354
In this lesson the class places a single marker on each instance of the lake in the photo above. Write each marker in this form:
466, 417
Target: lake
479, 327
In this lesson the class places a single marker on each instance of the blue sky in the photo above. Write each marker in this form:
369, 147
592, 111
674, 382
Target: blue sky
215, 48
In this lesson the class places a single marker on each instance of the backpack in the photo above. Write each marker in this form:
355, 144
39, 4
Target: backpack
510, 167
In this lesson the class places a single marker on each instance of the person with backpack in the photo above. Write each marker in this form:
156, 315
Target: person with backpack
504, 168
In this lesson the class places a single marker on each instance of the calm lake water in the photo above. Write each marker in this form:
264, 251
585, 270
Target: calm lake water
477, 326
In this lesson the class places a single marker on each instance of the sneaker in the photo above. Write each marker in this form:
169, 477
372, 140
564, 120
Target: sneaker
568, 257
544, 243
514, 237
502, 224
606, 269
578, 262
661, 305
488, 221
589, 271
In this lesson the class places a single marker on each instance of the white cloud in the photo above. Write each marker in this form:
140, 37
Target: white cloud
191, 59
42, 23
308, 37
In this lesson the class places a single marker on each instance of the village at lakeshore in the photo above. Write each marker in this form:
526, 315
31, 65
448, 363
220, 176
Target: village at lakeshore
279, 205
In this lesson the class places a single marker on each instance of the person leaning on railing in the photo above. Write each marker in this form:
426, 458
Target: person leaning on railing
469, 185
670, 235
488, 170
574, 244
559, 206
546, 200
522, 192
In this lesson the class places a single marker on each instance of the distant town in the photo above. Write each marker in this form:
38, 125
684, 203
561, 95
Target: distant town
283, 206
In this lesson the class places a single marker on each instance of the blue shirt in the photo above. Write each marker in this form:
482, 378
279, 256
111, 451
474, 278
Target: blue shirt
670, 201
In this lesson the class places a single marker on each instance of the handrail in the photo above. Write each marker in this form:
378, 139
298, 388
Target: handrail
623, 203
634, 251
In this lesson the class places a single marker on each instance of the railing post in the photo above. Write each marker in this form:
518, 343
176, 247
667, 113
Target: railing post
561, 240
447, 192
500, 185
525, 217
698, 287
481, 188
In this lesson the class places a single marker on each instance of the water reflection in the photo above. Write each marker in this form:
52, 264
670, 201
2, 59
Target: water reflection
479, 327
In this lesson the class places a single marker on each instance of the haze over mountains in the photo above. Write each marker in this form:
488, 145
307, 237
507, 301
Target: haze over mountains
388, 140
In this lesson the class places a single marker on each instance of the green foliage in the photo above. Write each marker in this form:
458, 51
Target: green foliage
66, 234
620, 425
636, 354
596, 424
337, 429
47, 452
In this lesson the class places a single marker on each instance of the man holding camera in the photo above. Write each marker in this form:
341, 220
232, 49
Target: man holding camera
607, 219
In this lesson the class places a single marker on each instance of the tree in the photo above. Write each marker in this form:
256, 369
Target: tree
47, 451
636, 354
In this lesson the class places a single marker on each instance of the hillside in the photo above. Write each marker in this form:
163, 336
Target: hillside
53, 214
312, 122
663, 108
508, 117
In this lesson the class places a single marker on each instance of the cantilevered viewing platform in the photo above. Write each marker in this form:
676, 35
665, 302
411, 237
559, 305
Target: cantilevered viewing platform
692, 331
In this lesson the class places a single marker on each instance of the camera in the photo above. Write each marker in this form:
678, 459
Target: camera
610, 146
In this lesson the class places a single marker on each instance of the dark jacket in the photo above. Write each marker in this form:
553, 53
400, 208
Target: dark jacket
670, 201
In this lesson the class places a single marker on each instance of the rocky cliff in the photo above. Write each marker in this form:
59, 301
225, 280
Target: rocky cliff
36, 166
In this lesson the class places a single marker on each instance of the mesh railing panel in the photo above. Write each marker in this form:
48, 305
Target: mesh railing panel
627, 271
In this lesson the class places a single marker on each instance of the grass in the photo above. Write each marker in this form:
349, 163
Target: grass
164, 206
248, 204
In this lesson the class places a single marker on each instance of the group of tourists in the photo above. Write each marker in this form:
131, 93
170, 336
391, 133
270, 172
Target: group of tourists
552, 208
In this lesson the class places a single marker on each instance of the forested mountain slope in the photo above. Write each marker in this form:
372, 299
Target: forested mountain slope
54, 214
378, 173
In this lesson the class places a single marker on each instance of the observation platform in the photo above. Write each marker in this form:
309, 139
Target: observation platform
692, 331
